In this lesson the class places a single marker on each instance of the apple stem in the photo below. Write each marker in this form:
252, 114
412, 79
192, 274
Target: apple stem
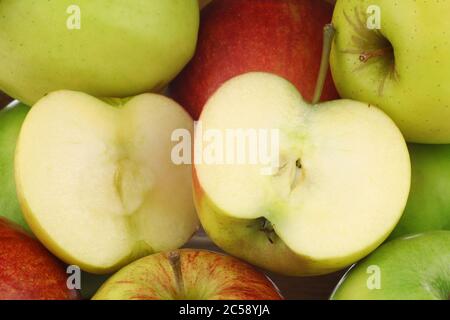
328, 35
175, 263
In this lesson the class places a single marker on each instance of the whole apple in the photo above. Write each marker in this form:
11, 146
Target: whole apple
337, 192
283, 37
188, 274
11, 119
410, 268
27, 270
428, 206
108, 49
96, 180
394, 54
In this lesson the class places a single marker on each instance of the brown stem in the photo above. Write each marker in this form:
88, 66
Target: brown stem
328, 36
175, 263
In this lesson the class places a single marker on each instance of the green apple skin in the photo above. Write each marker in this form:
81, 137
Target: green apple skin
411, 268
121, 49
409, 83
243, 238
428, 206
11, 119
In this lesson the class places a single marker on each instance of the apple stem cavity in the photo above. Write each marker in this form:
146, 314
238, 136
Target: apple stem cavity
366, 56
328, 35
175, 263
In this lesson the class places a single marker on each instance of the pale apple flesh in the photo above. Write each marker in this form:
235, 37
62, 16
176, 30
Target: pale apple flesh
343, 201
96, 182
411, 268
199, 275
394, 54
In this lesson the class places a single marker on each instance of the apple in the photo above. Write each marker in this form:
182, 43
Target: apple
96, 181
203, 3
188, 274
11, 119
428, 206
400, 65
240, 36
340, 187
27, 270
410, 268
113, 49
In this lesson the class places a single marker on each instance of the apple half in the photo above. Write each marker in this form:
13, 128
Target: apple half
340, 188
96, 181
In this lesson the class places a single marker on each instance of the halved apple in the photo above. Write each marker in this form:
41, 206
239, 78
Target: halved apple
339, 190
96, 181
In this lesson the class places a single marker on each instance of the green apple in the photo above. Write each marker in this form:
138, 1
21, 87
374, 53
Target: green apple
111, 48
410, 268
188, 274
11, 119
428, 206
340, 187
394, 54
96, 181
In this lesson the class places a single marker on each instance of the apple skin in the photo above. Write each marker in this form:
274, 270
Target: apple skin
11, 120
243, 239
413, 90
27, 270
412, 268
239, 36
122, 49
206, 275
428, 206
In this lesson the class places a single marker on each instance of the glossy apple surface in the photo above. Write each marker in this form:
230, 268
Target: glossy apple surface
119, 50
27, 270
238, 36
428, 206
11, 119
411, 268
402, 67
340, 187
100, 189
195, 275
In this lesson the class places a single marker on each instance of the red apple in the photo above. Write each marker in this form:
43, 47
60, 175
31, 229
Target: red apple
238, 36
27, 270
188, 274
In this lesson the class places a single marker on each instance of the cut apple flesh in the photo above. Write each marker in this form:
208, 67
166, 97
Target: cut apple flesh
96, 181
343, 177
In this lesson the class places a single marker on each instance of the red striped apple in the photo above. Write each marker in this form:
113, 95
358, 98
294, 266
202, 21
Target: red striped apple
96, 181
340, 187
239, 36
188, 274
27, 270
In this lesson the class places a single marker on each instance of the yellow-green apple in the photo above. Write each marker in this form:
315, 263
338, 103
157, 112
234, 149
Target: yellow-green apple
239, 36
188, 274
428, 206
27, 270
394, 54
339, 188
11, 119
410, 268
108, 49
96, 180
